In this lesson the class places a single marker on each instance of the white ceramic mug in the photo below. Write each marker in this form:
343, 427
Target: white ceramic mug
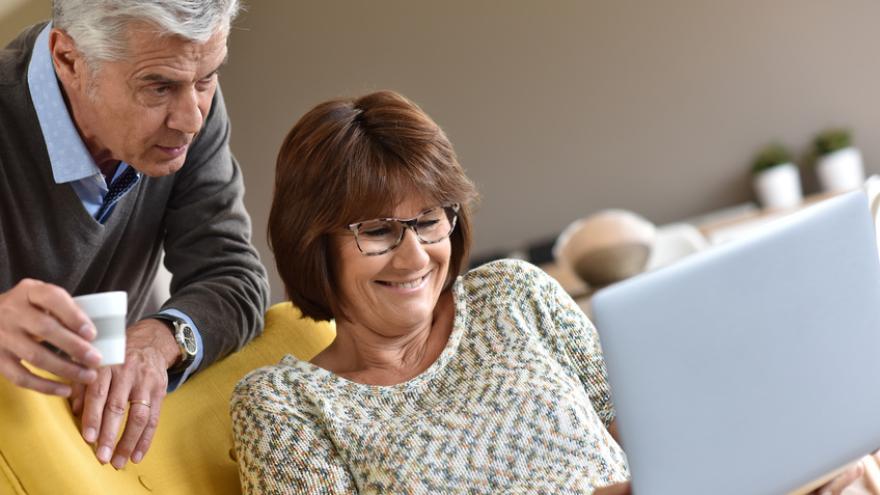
107, 310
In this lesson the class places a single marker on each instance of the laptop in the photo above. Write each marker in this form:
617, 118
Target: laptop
752, 367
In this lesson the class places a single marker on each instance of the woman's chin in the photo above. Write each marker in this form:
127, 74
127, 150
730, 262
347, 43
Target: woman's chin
410, 316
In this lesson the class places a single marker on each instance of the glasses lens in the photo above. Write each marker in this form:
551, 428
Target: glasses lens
376, 236
380, 236
435, 224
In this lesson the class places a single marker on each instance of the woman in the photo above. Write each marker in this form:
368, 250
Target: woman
488, 382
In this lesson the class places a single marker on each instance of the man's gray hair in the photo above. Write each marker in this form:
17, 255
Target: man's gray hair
99, 26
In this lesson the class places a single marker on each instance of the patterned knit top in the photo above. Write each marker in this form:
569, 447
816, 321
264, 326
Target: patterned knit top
517, 402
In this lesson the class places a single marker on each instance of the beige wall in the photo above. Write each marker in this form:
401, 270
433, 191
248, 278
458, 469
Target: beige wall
560, 108
16, 14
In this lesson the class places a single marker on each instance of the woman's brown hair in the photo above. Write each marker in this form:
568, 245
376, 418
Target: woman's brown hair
348, 160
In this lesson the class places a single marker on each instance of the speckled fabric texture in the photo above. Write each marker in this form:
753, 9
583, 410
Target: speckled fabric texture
517, 402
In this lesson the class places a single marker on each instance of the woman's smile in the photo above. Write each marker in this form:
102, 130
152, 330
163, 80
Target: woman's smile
410, 285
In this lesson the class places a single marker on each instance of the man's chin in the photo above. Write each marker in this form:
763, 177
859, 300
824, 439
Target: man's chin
160, 168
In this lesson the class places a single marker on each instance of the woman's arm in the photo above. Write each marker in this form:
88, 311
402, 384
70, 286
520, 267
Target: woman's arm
612, 429
618, 489
576, 341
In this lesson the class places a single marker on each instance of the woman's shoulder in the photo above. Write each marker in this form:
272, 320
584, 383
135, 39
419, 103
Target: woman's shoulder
505, 276
279, 388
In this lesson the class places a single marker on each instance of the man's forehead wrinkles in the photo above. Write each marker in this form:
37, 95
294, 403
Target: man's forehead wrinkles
176, 69
174, 51
151, 77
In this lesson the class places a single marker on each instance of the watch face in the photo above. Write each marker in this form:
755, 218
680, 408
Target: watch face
189, 339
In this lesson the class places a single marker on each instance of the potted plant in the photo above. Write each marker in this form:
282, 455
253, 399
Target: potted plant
839, 165
775, 178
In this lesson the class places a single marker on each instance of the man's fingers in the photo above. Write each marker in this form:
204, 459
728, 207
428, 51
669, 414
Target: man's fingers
142, 420
136, 390
94, 400
145, 401
56, 301
77, 398
20, 376
28, 316
114, 412
143, 445
44, 327
43, 358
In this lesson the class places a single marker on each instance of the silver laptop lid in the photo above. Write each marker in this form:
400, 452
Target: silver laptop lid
753, 367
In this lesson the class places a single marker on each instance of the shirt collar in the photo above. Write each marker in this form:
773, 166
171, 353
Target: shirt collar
68, 155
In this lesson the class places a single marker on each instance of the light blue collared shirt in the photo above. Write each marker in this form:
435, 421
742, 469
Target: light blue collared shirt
72, 164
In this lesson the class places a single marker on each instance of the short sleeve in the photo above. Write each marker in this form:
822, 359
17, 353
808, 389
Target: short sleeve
281, 450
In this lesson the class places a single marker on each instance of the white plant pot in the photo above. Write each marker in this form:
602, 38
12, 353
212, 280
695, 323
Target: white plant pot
778, 187
841, 170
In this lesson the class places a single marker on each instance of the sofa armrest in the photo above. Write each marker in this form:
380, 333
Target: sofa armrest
41, 450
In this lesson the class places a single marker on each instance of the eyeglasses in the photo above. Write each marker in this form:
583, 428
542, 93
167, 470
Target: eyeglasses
375, 237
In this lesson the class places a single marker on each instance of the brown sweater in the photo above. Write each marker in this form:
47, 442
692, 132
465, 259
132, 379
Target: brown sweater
197, 214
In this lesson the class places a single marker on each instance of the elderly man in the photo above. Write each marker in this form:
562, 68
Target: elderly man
114, 143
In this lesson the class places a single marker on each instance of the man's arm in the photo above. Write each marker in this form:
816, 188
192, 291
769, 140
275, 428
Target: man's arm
217, 278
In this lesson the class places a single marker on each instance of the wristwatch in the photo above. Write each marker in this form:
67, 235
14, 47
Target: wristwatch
185, 338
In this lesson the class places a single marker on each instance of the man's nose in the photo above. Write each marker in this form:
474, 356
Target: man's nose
185, 115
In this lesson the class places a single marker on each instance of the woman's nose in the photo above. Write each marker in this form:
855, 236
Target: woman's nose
411, 252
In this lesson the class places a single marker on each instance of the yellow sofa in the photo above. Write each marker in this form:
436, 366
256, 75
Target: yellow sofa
42, 452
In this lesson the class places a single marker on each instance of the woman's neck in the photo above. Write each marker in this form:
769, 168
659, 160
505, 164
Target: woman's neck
364, 355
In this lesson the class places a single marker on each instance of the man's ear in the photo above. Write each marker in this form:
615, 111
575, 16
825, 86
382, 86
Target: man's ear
70, 65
